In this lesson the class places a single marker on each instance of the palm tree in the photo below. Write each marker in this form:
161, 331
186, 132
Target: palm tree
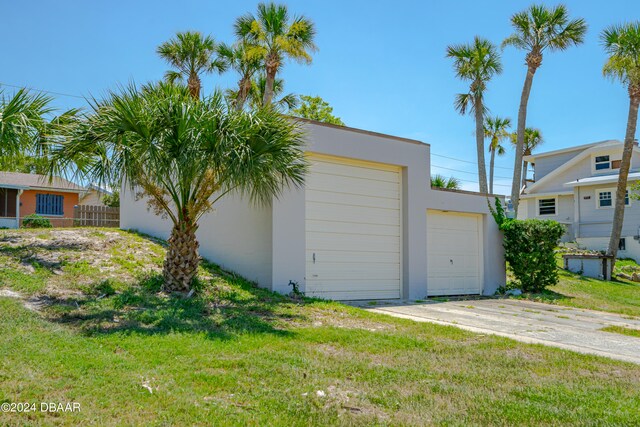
439, 181
245, 62
22, 120
255, 98
477, 63
537, 29
183, 154
495, 129
532, 138
191, 54
275, 37
622, 44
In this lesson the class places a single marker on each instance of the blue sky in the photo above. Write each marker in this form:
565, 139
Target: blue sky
381, 64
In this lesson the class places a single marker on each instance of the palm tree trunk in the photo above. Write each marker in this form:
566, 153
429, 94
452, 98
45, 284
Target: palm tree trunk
244, 85
482, 168
522, 124
268, 87
524, 173
491, 162
194, 85
625, 164
181, 263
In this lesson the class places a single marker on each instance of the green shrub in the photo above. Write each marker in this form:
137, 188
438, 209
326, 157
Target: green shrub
529, 248
36, 221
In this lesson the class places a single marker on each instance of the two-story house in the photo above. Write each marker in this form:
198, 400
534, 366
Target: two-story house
576, 186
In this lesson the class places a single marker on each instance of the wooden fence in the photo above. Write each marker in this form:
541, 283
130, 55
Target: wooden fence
95, 216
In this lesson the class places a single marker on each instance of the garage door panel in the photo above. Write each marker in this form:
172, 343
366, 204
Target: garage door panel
356, 214
348, 242
351, 199
349, 171
340, 184
352, 230
453, 253
348, 257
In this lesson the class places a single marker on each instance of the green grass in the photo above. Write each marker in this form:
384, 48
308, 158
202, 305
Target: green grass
235, 354
622, 330
617, 296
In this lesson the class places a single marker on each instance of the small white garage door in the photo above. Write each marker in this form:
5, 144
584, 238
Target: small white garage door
454, 256
352, 229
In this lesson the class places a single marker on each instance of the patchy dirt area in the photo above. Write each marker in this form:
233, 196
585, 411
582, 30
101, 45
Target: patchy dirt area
56, 261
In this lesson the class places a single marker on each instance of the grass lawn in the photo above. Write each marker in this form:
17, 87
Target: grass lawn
91, 327
618, 296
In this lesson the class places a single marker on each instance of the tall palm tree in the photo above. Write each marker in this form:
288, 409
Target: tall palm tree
537, 29
439, 181
244, 60
496, 130
274, 36
183, 154
477, 63
532, 138
622, 44
191, 54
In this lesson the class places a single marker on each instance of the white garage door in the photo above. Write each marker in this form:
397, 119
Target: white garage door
352, 230
454, 257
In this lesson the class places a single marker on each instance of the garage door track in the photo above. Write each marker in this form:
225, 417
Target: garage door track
531, 322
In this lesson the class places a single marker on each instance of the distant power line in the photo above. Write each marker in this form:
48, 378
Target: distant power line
42, 91
467, 161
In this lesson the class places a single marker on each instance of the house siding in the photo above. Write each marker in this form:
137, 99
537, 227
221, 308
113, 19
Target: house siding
28, 206
596, 222
547, 164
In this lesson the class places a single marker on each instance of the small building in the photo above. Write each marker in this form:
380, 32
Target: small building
366, 225
23, 194
94, 195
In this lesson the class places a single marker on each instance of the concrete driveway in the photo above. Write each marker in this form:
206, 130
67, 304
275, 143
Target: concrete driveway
531, 322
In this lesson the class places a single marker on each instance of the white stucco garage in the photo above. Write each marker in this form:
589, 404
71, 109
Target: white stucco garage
366, 225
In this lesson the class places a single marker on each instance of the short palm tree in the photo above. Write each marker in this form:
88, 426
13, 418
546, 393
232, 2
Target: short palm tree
532, 138
255, 97
183, 155
477, 63
439, 181
622, 44
537, 29
191, 54
22, 121
496, 130
274, 36
242, 59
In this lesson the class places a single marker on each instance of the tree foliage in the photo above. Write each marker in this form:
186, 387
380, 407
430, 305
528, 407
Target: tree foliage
529, 248
440, 181
183, 155
316, 108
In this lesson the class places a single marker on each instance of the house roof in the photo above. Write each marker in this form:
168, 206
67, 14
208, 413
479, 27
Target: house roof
357, 130
602, 179
532, 157
26, 181
573, 161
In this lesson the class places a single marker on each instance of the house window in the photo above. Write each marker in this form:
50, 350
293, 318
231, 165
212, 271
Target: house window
602, 163
547, 206
622, 246
604, 199
49, 204
626, 198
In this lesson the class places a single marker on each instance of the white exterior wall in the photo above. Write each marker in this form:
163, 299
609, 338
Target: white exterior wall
268, 244
8, 223
564, 212
235, 235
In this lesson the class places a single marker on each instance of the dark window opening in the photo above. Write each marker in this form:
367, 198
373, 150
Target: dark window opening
49, 204
622, 246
